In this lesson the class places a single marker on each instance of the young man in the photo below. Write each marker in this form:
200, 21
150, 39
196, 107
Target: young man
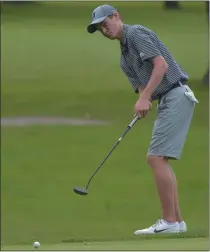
155, 75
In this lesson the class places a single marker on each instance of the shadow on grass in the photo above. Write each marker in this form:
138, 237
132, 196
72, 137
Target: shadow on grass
197, 233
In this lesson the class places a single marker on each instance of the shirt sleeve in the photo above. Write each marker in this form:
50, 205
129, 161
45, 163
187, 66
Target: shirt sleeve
144, 45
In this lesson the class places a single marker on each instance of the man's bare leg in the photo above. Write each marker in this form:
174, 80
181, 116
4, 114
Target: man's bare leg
176, 200
164, 180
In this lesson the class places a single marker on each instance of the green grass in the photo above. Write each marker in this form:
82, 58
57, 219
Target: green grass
47, 162
169, 244
47, 53
52, 67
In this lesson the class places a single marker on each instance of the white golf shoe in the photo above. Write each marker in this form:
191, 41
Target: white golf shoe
182, 227
160, 227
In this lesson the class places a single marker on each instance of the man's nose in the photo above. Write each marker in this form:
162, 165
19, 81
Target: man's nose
104, 29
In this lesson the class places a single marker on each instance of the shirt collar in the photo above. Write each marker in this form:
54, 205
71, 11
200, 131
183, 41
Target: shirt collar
124, 32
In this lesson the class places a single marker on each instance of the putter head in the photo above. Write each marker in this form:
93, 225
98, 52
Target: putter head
80, 191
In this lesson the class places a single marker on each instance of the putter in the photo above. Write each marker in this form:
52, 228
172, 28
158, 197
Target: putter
83, 191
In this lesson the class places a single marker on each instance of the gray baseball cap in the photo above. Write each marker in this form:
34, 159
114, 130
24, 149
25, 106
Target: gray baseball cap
99, 15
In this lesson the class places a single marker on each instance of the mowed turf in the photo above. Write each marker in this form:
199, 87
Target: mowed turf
52, 67
154, 245
42, 166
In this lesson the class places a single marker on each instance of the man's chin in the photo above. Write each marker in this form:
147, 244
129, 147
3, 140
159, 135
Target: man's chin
111, 38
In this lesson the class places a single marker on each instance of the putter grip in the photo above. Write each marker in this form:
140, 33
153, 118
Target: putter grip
136, 118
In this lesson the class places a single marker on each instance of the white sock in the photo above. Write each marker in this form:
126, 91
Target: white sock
169, 223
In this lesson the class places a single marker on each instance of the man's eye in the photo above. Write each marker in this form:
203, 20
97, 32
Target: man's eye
103, 24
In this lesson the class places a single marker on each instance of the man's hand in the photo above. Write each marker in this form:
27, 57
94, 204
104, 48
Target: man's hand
142, 106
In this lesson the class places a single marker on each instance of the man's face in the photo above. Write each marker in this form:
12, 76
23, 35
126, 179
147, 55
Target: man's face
111, 27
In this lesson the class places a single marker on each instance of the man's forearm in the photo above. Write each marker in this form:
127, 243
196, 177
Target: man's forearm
141, 89
159, 70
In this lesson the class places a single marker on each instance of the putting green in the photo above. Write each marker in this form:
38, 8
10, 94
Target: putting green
163, 244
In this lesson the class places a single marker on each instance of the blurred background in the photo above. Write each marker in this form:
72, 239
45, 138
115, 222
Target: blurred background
65, 101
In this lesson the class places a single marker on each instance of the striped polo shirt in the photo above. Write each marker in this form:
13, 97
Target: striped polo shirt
139, 44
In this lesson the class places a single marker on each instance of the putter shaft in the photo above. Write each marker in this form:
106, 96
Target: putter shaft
136, 118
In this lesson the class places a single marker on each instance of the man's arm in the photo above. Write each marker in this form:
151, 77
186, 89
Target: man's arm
149, 52
141, 89
159, 70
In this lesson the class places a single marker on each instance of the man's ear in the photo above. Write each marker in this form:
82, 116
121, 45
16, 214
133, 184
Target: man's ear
116, 15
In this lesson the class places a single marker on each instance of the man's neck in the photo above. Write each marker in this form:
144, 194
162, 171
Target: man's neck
123, 34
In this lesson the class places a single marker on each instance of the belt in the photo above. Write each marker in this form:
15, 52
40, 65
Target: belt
178, 84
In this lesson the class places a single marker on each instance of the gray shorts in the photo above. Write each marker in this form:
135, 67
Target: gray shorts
174, 115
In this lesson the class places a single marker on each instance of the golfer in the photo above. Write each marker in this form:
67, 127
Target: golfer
154, 75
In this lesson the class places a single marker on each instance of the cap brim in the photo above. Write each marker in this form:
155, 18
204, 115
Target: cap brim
92, 27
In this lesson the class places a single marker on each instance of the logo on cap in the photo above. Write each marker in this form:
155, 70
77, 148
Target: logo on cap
93, 15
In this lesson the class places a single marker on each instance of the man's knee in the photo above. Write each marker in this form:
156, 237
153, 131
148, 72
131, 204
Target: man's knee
154, 161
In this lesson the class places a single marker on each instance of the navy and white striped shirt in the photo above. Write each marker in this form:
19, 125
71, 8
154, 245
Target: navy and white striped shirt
138, 46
